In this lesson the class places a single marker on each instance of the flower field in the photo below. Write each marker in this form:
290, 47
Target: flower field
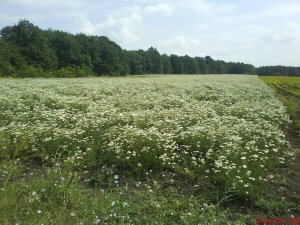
224, 131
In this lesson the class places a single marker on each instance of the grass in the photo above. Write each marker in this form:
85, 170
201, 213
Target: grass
157, 150
288, 89
56, 199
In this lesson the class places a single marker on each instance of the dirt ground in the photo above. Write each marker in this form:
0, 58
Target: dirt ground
294, 178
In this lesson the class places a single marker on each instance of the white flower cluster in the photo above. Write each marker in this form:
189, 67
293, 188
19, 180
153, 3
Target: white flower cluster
228, 126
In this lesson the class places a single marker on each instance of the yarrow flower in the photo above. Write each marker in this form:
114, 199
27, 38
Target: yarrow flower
227, 126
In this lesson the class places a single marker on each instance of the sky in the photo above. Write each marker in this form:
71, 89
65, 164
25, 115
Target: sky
259, 32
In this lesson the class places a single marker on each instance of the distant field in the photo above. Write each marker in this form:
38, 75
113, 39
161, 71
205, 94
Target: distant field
141, 150
289, 90
285, 85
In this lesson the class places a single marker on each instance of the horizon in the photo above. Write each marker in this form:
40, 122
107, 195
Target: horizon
253, 33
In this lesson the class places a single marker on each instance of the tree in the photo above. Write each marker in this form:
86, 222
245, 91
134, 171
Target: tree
221, 67
278, 71
177, 67
154, 62
136, 65
167, 67
32, 43
11, 61
68, 50
190, 65
203, 67
241, 68
210, 64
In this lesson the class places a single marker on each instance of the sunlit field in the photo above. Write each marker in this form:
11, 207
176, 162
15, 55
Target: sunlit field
289, 90
140, 149
289, 85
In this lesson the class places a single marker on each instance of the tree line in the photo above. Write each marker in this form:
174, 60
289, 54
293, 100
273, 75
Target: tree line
278, 71
28, 51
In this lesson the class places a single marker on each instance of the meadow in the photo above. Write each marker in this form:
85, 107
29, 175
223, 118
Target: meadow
288, 89
142, 150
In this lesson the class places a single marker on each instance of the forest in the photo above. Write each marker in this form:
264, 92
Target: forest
28, 51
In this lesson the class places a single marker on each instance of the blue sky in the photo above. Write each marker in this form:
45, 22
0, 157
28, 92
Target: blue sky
260, 32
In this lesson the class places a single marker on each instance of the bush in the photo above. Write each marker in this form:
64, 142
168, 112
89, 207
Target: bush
6, 69
69, 72
30, 71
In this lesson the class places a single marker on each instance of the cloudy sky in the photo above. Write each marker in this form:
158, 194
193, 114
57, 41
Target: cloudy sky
260, 32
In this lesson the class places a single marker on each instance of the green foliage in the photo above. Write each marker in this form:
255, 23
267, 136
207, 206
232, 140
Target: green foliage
278, 71
69, 72
241, 68
166, 63
153, 61
10, 59
31, 71
136, 62
176, 64
190, 65
67, 50
32, 42
6, 69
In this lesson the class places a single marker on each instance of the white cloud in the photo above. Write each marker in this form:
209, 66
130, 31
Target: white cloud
161, 9
224, 9
10, 19
202, 7
179, 41
124, 25
48, 2
287, 9
120, 25
282, 38
25, 2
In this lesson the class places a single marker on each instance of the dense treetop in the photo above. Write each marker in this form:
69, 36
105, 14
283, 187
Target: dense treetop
28, 51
